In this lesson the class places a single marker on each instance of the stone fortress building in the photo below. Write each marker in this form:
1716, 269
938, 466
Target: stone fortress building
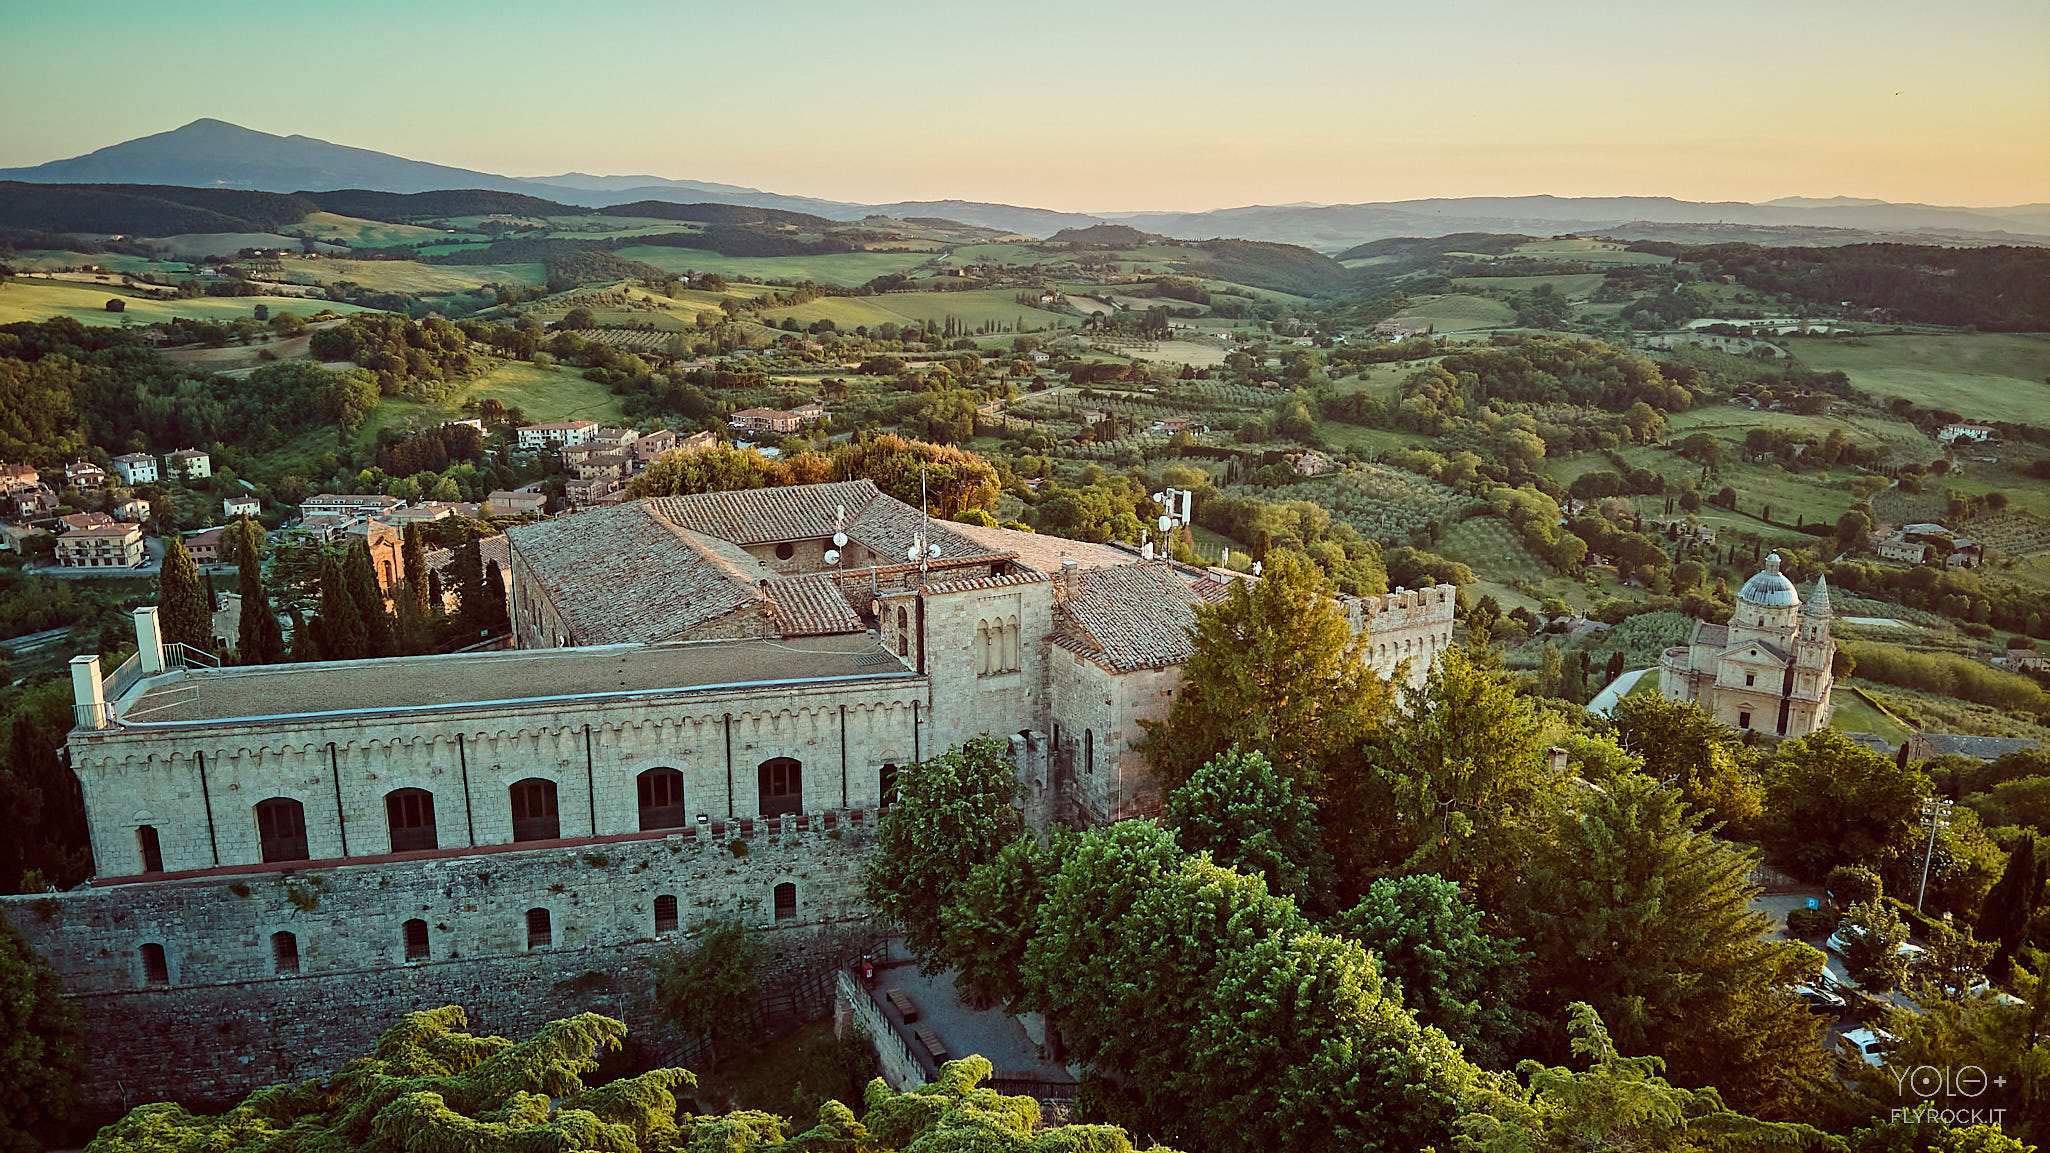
706, 710
1770, 669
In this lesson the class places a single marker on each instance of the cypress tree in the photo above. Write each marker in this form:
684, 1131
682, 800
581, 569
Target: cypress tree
186, 618
2010, 908
409, 627
258, 638
469, 581
434, 591
494, 594
213, 595
360, 577
305, 638
415, 558
338, 633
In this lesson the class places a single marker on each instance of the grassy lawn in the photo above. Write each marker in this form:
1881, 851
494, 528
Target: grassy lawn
50, 260
1850, 714
1984, 376
544, 394
87, 303
1382, 380
839, 268
410, 275
1459, 313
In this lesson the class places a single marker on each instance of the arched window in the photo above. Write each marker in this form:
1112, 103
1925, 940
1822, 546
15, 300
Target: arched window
786, 901
284, 953
903, 632
415, 932
156, 970
665, 914
782, 787
533, 811
152, 852
1011, 645
886, 788
982, 647
410, 815
540, 932
281, 830
661, 799
1088, 750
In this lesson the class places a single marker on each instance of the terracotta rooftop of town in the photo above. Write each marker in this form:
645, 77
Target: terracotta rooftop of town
1130, 616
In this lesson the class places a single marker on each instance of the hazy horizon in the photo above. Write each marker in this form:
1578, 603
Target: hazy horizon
1141, 107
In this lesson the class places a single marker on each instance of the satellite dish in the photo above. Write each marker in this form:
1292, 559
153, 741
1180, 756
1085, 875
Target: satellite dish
832, 556
933, 549
1257, 566
1160, 498
839, 540
1166, 522
911, 553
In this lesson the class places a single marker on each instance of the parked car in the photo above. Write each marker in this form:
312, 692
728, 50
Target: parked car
1820, 997
1840, 940
1868, 1045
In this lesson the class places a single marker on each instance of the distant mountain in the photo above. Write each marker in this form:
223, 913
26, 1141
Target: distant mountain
218, 155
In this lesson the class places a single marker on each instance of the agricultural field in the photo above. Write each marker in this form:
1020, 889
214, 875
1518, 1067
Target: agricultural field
1382, 380
50, 260
1899, 440
359, 233
1202, 354
87, 304
975, 308
1572, 286
1590, 251
411, 276
1983, 376
194, 245
1849, 713
1384, 504
1458, 312
842, 269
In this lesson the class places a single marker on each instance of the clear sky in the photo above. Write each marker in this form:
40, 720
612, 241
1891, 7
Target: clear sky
1089, 106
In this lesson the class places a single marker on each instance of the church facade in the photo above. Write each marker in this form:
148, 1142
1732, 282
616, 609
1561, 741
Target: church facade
1770, 669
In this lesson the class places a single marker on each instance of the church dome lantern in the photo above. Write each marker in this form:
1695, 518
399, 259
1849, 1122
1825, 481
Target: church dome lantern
1770, 587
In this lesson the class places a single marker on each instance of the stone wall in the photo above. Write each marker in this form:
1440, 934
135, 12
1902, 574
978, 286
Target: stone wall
228, 1021
1413, 625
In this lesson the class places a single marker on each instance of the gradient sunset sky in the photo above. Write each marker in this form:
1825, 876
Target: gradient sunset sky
1089, 106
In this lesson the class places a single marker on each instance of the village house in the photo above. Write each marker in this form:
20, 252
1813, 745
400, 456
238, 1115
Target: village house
1900, 548
507, 503
591, 489
414, 514
19, 476
1314, 464
1172, 424
615, 439
205, 545
325, 526
14, 538
134, 508
352, 504
651, 446
84, 474
78, 520
102, 546
28, 503
188, 464
765, 420
1397, 331
136, 468
2021, 661
602, 466
234, 506
559, 435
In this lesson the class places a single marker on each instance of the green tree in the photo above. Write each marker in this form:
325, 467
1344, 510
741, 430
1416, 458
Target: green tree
1452, 973
259, 640
496, 617
985, 929
431, 1087
1830, 802
1853, 884
2011, 908
409, 628
466, 572
1682, 745
42, 1048
186, 617
361, 577
338, 633
1275, 669
1873, 935
414, 558
1617, 1103
955, 812
710, 991
1632, 908
1250, 818
1465, 772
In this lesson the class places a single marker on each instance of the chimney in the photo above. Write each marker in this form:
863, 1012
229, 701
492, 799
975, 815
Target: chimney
1068, 570
149, 640
1556, 755
88, 698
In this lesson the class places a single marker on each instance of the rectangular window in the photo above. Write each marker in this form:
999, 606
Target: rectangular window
1744, 720
665, 914
284, 952
540, 934
156, 970
416, 940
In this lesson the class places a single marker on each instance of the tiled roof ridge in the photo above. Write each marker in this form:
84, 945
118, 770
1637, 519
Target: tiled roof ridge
746, 580
1029, 576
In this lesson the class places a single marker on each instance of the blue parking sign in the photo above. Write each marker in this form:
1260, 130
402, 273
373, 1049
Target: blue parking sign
1814, 903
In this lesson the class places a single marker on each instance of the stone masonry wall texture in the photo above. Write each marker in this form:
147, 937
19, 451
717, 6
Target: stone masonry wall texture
228, 1022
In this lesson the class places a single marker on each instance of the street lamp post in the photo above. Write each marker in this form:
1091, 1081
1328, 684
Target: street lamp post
1935, 815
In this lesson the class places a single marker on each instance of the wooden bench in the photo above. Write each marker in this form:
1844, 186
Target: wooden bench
932, 1043
902, 1002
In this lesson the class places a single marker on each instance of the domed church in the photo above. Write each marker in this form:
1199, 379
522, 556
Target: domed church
1768, 670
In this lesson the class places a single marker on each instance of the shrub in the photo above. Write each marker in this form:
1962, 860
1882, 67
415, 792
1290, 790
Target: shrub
1853, 885
1812, 922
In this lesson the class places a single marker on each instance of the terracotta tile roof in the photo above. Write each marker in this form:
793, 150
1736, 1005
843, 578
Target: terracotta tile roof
990, 582
1045, 553
1708, 634
623, 574
1128, 617
806, 511
808, 606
